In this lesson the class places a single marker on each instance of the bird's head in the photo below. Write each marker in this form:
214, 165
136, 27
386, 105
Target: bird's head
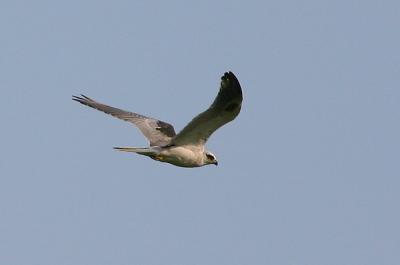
210, 158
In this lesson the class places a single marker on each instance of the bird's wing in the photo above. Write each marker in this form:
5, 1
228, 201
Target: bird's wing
158, 133
224, 109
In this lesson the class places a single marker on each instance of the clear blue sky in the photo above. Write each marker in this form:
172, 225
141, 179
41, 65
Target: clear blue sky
308, 173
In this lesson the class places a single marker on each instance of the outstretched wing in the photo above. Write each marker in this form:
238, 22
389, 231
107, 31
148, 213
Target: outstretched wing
158, 133
224, 109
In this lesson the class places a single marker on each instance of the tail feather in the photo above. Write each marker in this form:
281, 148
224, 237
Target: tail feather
132, 149
138, 150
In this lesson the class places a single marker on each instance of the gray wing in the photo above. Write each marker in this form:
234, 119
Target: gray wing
158, 133
224, 109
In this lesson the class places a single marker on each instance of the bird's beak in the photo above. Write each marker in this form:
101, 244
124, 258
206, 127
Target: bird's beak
216, 163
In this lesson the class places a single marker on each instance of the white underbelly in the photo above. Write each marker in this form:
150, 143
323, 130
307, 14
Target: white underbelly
182, 156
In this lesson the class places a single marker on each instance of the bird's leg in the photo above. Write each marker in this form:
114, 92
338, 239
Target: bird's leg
158, 157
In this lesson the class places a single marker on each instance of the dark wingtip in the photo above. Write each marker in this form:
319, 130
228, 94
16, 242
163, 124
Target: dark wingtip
81, 99
76, 98
228, 75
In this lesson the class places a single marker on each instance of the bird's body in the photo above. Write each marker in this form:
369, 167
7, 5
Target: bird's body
185, 149
183, 156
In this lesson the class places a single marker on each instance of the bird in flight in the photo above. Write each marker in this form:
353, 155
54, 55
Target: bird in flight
187, 148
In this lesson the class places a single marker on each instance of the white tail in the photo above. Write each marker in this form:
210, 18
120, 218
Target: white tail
142, 151
131, 149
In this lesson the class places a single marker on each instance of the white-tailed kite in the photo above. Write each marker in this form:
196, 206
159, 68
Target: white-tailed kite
185, 149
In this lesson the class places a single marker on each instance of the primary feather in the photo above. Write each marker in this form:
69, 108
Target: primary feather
224, 109
157, 132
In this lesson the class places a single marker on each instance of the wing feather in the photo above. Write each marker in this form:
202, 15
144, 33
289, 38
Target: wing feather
158, 133
224, 109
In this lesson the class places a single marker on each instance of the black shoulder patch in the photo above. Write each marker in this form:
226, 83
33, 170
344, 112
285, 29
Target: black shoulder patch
165, 128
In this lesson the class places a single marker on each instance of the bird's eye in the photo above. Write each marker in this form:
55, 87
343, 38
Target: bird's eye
210, 157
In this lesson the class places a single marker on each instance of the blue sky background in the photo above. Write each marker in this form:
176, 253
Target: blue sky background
308, 173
